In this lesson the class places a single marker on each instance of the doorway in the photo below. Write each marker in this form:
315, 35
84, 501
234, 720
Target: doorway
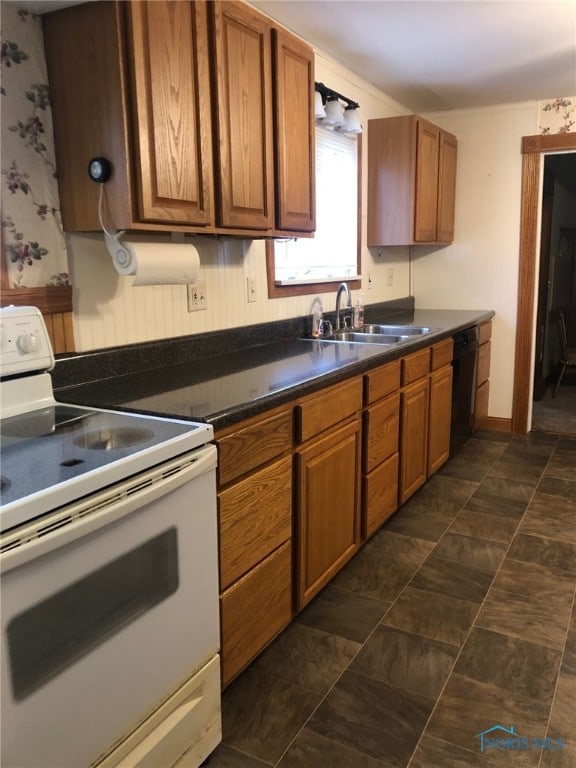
556, 411
533, 148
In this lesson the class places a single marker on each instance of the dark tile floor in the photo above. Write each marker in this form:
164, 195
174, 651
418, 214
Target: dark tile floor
557, 414
457, 616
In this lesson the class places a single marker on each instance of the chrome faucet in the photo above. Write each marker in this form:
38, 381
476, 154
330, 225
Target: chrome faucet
342, 288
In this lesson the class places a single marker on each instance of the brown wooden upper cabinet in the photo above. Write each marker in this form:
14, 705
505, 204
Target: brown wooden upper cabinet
130, 82
294, 129
172, 121
193, 103
243, 59
411, 182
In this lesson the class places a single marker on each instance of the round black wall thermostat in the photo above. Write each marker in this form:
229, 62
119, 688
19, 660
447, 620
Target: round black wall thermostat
99, 169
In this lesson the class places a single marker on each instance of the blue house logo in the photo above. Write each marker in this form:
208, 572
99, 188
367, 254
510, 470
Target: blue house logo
496, 737
501, 738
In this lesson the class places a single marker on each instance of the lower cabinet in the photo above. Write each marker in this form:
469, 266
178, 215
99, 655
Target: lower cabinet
414, 405
425, 415
328, 527
439, 418
255, 518
380, 495
301, 486
255, 536
327, 462
380, 458
254, 610
482, 375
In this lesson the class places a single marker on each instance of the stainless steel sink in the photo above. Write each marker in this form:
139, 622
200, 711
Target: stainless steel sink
379, 334
399, 330
361, 336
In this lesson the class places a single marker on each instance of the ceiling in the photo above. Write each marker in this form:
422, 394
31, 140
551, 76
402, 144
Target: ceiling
444, 54
437, 54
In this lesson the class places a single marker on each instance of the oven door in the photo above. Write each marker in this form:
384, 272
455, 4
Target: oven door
107, 612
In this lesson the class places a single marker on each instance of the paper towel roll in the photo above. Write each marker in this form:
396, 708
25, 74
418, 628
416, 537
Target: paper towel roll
157, 263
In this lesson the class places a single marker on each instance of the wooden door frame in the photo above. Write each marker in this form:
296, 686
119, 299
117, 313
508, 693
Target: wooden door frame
533, 147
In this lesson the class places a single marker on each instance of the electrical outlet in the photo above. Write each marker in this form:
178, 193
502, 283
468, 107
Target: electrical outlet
389, 275
197, 296
251, 288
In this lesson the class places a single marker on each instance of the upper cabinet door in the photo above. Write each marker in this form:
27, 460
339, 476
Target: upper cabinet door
294, 131
411, 182
172, 123
426, 182
448, 147
243, 62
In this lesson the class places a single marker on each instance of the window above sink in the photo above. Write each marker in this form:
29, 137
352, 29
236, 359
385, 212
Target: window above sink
300, 266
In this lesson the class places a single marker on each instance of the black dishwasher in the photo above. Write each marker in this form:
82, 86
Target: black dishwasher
463, 387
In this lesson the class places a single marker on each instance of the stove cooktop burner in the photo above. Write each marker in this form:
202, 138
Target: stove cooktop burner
59, 453
112, 438
45, 421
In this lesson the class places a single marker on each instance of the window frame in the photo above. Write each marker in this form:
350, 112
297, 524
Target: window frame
304, 289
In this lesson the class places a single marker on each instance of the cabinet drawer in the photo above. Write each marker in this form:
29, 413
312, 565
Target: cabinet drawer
484, 332
483, 364
253, 445
328, 408
380, 495
255, 517
441, 354
381, 382
254, 610
415, 366
381, 425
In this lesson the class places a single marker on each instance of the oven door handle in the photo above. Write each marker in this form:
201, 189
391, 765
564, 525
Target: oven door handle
87, 515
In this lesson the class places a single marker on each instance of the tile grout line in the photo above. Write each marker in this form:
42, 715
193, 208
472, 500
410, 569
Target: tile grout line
449, 523
489, 468
565, 639
473, 624
391, 605
325, 696
558, 676
393, 602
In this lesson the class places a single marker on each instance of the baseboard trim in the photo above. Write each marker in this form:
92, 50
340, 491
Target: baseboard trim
497, 424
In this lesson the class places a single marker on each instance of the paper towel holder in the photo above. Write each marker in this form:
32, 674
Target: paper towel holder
115, 248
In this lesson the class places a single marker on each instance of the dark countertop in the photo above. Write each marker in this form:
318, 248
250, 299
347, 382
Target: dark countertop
223, 388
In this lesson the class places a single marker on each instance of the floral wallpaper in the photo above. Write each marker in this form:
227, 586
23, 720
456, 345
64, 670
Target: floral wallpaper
558, 115
33, 241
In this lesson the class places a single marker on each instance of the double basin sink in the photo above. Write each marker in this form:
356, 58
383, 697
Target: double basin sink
378, 334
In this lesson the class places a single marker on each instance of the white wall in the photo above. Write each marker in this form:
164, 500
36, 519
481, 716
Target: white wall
108, 311
480, 269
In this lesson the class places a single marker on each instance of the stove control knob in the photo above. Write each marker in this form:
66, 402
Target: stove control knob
28, 343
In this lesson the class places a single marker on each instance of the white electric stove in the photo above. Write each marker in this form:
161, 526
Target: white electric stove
53, 453
109, 575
